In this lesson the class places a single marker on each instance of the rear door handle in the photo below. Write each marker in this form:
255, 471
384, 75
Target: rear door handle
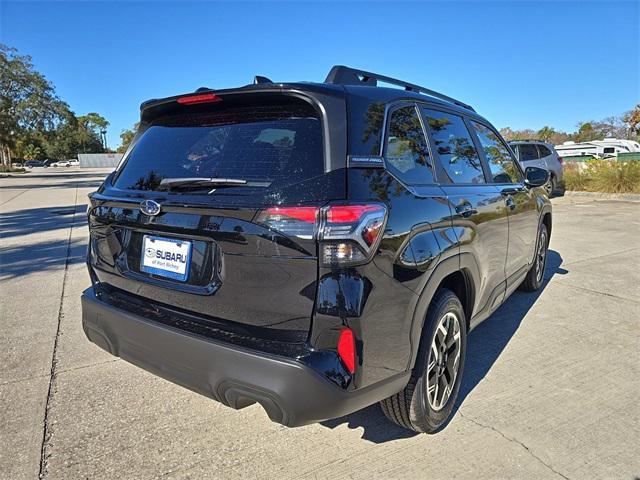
466, 209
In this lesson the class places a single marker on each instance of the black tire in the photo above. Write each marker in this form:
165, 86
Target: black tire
412, 407
535, 276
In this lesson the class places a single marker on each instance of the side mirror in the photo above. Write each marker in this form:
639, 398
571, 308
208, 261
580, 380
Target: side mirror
535, 177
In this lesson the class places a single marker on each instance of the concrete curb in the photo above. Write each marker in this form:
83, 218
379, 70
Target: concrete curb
624, 197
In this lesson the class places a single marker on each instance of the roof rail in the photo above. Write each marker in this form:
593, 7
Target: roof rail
342, 75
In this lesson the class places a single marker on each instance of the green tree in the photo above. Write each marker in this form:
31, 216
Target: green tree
25, 139
95, 123
585, 132
27, 100
32, 152
72, 137
33, 120
545, 133
126, 137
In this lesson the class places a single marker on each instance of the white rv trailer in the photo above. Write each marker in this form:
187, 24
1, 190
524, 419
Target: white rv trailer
609, 147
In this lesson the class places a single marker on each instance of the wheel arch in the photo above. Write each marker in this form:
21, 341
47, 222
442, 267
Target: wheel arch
546, 220
459, 274
459, 282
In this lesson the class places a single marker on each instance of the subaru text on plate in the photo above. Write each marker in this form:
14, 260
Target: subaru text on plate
312, 247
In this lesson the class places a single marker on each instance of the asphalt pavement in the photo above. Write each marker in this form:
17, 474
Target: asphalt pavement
550, 389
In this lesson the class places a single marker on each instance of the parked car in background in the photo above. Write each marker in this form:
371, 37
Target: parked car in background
34, 163
537, 153
48, 163
61, 163
312, 247
74, 163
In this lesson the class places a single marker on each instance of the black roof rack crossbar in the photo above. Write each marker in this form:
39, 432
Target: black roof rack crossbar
342, 75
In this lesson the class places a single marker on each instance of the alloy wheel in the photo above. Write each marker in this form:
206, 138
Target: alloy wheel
541, 256
444, 361
550, 186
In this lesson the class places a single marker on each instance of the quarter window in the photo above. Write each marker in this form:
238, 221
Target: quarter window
544, 151
455, 147
501, 164
407, 155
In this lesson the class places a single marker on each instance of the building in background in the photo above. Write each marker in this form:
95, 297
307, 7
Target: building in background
95, 160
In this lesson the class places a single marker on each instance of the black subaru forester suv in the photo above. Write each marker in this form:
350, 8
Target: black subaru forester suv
313, 247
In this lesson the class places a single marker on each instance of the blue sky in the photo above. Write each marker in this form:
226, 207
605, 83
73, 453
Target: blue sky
520, 64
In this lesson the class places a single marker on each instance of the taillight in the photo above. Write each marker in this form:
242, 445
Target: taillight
561, 161
199, 98
293, 221
347, 349
302, 214
348, 213
348, 234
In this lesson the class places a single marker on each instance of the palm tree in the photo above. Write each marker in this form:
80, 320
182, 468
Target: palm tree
32, 152
545, 133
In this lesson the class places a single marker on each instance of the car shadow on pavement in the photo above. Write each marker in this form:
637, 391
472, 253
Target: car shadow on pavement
40, 257
489, 339
39, 220
376, 427
486, 344
20, 256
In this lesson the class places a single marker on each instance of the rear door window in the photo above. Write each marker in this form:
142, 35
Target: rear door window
528, 151
268, 146
407, 154
455, 148
501, 164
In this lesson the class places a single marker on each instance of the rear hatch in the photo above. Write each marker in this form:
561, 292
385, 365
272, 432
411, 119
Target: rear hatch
198, 215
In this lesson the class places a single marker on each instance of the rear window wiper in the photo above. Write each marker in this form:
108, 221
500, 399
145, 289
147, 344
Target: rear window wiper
204, 182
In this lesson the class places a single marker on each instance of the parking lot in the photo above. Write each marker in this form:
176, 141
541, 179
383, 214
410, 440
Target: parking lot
550, 390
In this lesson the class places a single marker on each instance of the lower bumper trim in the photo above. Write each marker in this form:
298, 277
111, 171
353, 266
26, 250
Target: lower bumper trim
290, 392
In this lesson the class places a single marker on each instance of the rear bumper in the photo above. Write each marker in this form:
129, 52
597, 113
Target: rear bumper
291, 393
559, 172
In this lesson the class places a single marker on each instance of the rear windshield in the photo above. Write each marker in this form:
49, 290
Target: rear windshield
268, 146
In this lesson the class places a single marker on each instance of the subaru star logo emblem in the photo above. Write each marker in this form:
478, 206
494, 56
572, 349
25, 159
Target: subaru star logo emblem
149, 207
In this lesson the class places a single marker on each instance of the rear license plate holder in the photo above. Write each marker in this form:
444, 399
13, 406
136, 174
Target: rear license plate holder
166, 257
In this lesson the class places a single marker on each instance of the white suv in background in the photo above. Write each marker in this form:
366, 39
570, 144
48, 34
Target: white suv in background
536, 153
66, 163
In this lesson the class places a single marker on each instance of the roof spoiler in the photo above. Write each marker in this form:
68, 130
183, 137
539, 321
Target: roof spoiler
342, 75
